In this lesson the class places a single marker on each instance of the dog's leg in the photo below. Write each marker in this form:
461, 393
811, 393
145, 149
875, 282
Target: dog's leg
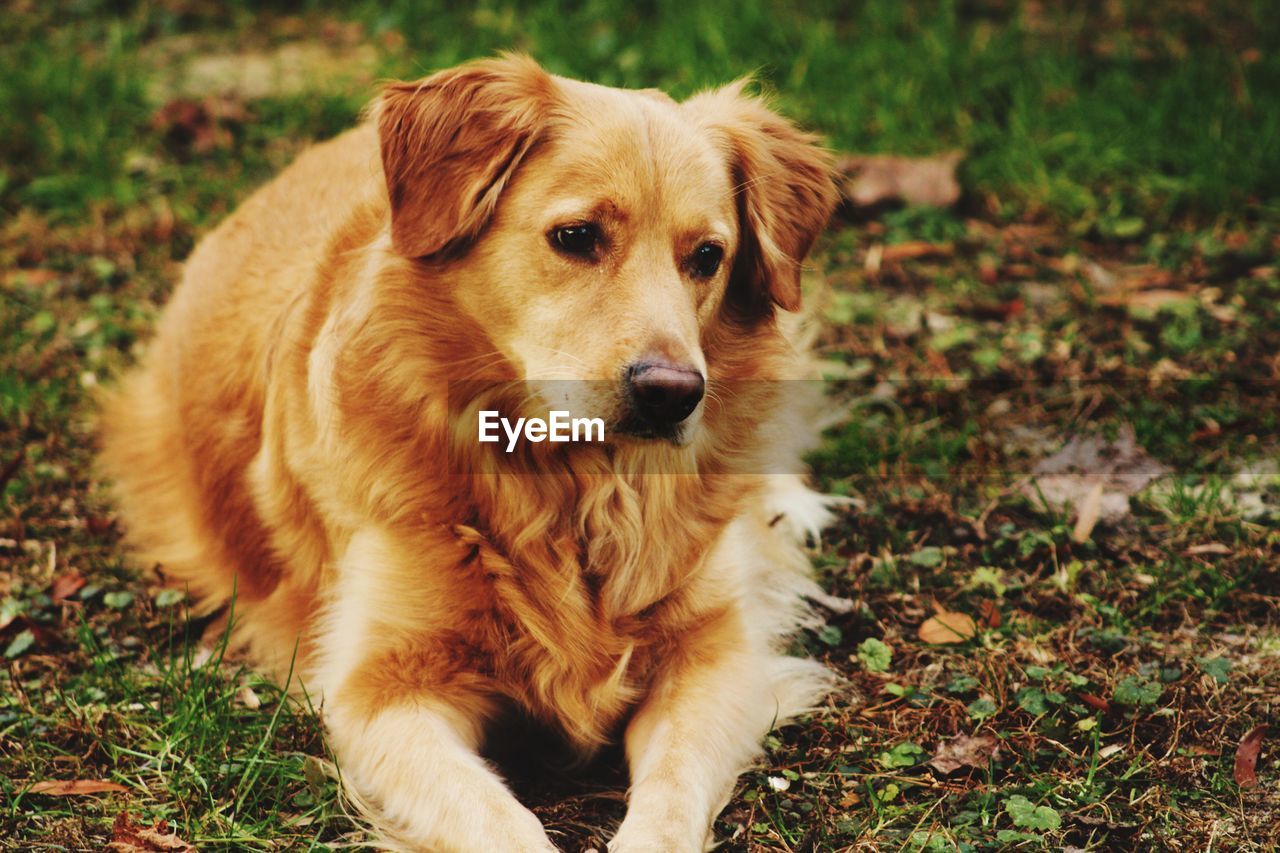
419, 772
404, 720
697, 730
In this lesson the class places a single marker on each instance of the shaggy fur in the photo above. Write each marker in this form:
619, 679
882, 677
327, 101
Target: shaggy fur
301, 435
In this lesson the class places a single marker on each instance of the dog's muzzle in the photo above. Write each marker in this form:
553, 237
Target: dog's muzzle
660, 395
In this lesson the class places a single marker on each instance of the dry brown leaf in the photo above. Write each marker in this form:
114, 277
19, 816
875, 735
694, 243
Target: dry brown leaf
974, 751
1246, 771
1088, 511
915, 249
1209, 429
202, 125
98, 524
66, 585
875, 257
1095, 702
989, 614
1207, 548
1147, 300
1068, 477
74, 787
875, 179
947, 627
30, 278
130, 837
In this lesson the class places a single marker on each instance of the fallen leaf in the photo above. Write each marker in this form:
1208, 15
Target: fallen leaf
947, 627
1208, 429
66, 585
915, 249
202, 125
1088, 512
1167, 370
974, 751
74, 787
1207, 548
875, 256
1116, 285
989, 614
29, 278
1246, 771
130, 837
1068, 477
1147, 300
1095, 702
874, 179
98, 524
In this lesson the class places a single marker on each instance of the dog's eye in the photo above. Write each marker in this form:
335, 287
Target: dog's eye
582, 240
706, 260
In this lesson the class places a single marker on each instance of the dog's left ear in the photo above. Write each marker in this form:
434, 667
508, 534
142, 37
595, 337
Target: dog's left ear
785, 186
451, 142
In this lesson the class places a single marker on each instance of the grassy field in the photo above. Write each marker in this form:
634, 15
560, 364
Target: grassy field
1110, 273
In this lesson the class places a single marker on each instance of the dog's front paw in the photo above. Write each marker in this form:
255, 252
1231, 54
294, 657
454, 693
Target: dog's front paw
641, 838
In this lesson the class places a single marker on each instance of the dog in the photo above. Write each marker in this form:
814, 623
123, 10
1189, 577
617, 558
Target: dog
299, 440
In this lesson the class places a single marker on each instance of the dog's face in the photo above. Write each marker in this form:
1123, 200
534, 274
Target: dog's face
598, 235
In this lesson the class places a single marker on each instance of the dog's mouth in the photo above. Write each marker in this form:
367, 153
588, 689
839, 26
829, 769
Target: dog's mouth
634, 426
624, 417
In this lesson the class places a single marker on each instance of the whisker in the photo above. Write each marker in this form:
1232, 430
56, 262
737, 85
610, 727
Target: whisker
561, 352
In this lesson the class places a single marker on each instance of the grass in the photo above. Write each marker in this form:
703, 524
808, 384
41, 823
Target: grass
197, 743
1118, 121
1110, 154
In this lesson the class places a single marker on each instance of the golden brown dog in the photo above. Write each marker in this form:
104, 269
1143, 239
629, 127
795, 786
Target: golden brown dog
301, 435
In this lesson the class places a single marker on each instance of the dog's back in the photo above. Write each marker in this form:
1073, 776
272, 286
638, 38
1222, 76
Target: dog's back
179, 433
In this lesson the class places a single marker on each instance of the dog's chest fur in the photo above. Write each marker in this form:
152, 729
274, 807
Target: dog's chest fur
581, 628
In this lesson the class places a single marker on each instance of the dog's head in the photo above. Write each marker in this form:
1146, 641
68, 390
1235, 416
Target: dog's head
602, 238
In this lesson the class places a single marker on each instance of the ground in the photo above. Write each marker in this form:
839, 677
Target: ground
1060, 434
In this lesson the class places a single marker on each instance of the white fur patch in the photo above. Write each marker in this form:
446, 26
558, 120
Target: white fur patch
801, 512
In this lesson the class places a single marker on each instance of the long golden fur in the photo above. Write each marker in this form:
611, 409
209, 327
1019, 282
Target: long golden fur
300, 435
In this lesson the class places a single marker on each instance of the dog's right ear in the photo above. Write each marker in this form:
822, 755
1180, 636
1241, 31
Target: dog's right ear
451, 142
784, 185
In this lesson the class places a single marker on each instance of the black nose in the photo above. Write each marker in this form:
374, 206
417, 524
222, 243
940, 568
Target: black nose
664, 394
